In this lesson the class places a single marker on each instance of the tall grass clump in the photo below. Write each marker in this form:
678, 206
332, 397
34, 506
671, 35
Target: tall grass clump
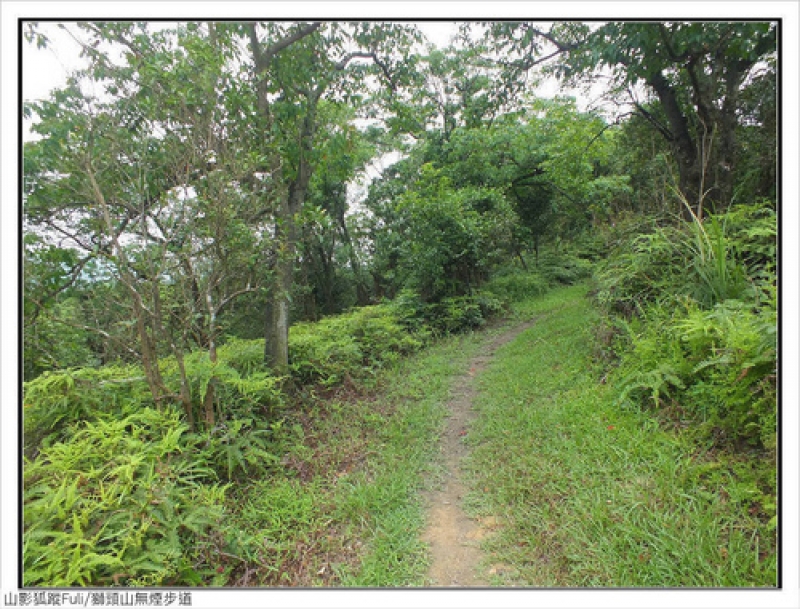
694, 309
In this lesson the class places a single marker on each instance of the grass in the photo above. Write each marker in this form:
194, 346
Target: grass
344, 509
586, 494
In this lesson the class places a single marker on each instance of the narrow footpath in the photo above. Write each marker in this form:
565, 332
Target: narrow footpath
455, 538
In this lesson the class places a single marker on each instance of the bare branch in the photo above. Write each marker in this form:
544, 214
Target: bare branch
102, 333
342, 64
73, 277
234, 295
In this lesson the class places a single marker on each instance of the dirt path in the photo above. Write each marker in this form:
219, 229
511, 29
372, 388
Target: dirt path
453, 536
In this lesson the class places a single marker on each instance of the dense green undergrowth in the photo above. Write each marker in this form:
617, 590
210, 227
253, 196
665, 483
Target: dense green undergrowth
283, 489
630, 438
579, 492
660, 407
691, 317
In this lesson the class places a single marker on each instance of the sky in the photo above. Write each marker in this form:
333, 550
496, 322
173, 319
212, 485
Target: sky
48, 68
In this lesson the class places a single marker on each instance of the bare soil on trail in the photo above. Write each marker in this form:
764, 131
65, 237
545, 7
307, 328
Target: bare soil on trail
455, 538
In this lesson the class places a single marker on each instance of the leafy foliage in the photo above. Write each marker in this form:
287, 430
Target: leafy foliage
55, 400
702, 346
199, 181
710, 261
119, 502
349, 345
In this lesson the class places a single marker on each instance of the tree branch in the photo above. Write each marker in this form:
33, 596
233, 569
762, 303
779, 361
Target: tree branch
654, 121
102, 333
562, 47
342, 64
231, 297
263, 56
518, 181
667, 40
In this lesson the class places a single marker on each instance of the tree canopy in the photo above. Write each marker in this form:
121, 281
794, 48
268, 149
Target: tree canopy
198, 176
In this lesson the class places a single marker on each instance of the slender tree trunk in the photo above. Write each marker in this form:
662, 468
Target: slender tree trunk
726, 158
286, 234
277, 310
276, 349
362, 295
149, 354
209, 397
186, 392
521, 258
276, 334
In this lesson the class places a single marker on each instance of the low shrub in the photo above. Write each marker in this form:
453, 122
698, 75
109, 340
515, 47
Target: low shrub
122, 501
733, 349
237, 447
640, 273
715, 369
56, 399
351, 344
695, 312
517, 285
726, 257
449, 315
239, 388
563, 269
244, 356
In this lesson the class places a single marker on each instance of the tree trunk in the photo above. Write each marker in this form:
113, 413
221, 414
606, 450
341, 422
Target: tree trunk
210, 396
726, 157
149, 356
706, 158
276, 334
276, 349
186, 391
690, 164
286, 232
362, 295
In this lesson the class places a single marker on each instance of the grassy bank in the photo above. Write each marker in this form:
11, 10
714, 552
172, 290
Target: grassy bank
344, 510
582, 492
306, 480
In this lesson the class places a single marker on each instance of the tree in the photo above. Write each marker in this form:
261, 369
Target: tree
331, 267
694, 70
148, 180
296, 67
550, 161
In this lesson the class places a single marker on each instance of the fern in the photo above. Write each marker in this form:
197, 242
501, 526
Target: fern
117, 496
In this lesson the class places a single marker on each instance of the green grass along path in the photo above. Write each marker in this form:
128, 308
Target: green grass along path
554, 483
567, 489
